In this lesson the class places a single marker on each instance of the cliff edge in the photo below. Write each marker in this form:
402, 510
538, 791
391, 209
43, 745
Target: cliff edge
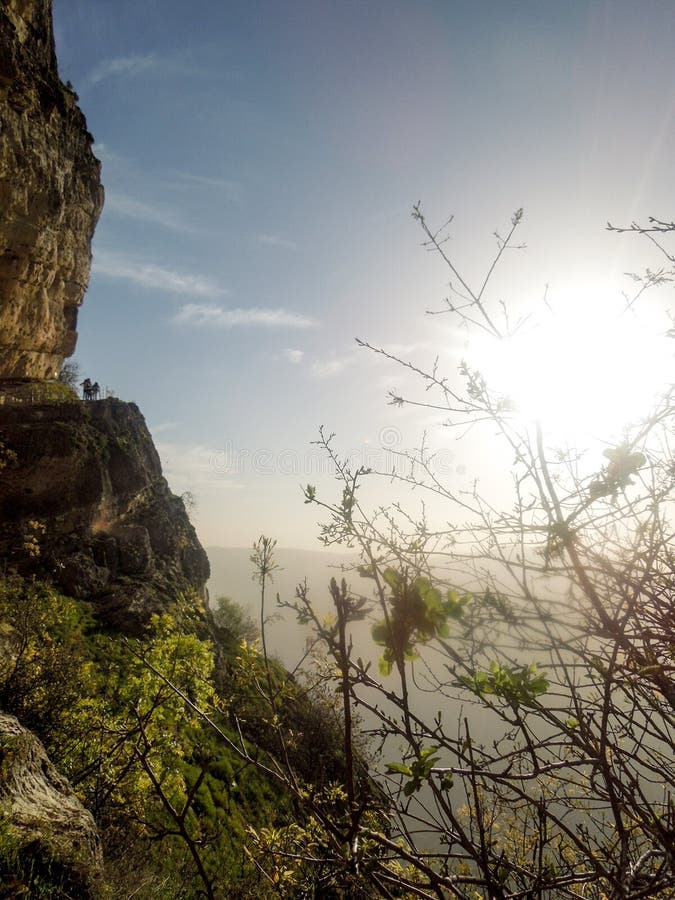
83, 502
50, 198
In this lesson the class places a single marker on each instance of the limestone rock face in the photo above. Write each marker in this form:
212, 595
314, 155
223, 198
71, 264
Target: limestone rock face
48, 822
50, 197
83, 501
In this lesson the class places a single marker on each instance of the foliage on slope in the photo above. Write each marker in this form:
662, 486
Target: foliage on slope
173, 802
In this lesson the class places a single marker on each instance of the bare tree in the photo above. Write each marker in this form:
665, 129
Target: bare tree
525, 701
523, 705
70, 374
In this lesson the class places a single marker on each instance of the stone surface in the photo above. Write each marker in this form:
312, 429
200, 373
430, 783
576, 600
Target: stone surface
50, 197
48, 822
85, 485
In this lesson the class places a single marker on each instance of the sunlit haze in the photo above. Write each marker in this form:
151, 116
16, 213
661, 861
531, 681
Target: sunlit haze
584, 369
260, 161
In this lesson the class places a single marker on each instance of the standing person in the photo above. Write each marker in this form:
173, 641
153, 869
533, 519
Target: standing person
86, 389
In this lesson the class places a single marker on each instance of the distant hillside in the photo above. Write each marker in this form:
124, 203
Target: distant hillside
231, 575
231, 572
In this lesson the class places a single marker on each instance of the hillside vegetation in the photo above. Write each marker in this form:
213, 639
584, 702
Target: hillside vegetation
172, 795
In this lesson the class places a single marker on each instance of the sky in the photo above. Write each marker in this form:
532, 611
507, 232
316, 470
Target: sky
260, 161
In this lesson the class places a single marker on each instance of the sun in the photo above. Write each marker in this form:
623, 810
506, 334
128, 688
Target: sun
589, 366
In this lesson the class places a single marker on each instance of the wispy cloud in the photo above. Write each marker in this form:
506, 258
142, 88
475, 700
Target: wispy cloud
388, 382
121, 66
293, 356
155, 277
406, 350
105, 153
193, 466
330, 367
221, 317
231, 188
162, 427
131, 208
275, 240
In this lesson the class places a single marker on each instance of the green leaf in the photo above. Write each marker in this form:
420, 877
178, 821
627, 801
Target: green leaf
422, 585
380, 633
454, 605
399, 769
392, 578
429, 751
384, 665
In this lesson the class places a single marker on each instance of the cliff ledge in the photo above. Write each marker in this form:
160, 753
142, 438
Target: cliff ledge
83, 502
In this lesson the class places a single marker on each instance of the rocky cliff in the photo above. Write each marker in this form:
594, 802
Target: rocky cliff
83, 501
50, 197
49, 824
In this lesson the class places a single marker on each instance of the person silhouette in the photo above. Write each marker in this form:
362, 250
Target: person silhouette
86, 389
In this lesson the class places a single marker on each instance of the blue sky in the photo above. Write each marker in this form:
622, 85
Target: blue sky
260, 161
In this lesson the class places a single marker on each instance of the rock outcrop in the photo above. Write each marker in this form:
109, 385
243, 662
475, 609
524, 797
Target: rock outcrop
50, 197
83, 501
49, 827
82, 498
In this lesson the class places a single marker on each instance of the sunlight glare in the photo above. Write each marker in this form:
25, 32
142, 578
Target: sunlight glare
587, 366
